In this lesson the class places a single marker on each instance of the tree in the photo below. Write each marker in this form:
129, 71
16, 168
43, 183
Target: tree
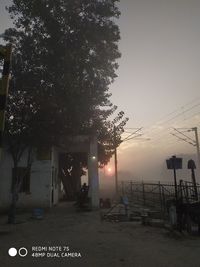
18, 134
65, 54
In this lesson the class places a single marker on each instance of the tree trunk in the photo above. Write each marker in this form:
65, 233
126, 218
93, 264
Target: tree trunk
14, 192
16, 184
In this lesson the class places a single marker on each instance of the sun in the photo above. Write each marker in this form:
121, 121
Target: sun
109, 170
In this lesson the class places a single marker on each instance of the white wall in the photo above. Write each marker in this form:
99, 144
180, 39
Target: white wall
6, 166
56, 180
40, 182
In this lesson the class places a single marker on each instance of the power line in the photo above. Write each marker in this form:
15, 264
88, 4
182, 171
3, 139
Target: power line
182, 139
167, 133
131, 128
159, 131
177, 110
184, 135
131, 135
134, 137
192, 115
179, 114
183, 112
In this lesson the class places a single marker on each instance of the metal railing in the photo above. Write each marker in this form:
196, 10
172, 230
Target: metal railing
157, 195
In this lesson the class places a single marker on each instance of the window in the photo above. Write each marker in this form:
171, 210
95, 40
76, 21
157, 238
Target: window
22, 181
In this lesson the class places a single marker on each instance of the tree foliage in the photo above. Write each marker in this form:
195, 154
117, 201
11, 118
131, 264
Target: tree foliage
64, 60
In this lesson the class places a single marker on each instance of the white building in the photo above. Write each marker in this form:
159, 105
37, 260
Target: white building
41, 187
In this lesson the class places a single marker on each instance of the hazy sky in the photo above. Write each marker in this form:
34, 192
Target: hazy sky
159, 74
159, 68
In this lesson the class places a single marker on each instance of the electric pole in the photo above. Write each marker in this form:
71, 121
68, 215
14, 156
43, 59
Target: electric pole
197, 144
133, 135
115, 156
194, 142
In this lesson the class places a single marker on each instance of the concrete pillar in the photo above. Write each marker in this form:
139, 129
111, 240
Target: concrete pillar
93, 175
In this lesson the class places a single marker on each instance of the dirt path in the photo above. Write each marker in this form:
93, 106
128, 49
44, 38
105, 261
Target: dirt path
100, 244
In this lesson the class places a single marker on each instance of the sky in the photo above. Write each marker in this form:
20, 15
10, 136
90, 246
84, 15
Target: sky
158, 80
160, 61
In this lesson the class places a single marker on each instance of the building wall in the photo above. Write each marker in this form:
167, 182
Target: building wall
44, 177
6, 166
55, 178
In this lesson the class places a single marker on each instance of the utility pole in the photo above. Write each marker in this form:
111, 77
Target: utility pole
189, 140
175, 180
197, 144
133, 135
115, 157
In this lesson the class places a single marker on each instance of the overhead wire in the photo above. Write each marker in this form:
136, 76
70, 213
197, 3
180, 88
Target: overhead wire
132, 134
175, 111
182, 139
184, 135
159, 132
179, 114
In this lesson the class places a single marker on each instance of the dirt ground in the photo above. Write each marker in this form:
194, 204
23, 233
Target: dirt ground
100, 244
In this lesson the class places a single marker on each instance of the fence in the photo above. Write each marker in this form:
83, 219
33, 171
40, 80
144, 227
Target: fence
157, 195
